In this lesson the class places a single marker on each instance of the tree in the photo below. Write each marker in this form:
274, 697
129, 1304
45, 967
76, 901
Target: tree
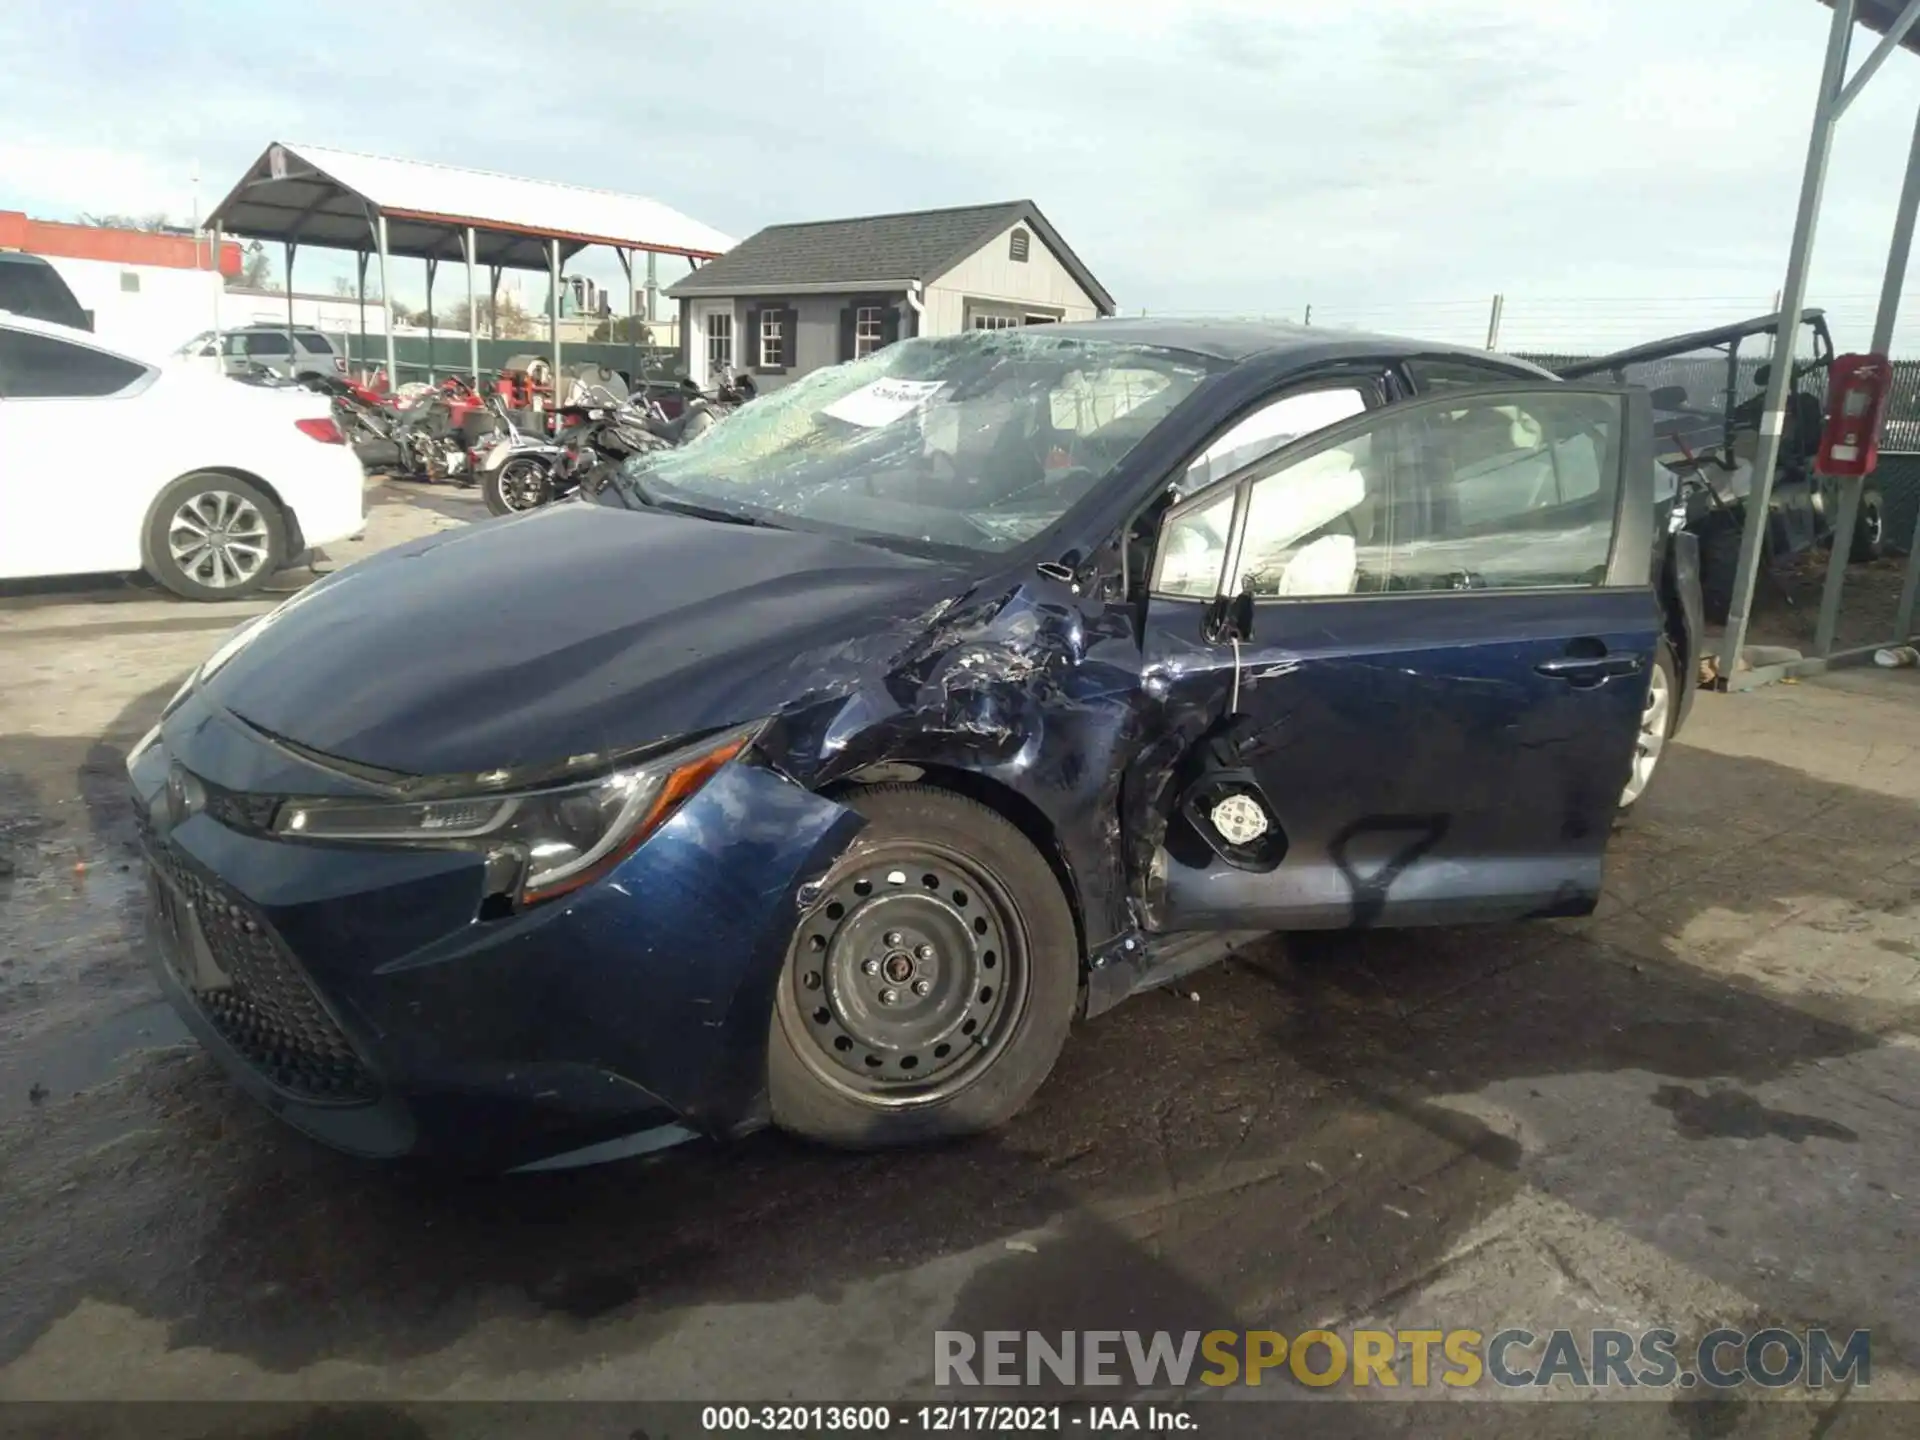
501, 318
624, 328
256, 269
350, 289
159, 220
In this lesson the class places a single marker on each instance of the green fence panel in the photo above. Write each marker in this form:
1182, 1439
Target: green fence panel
450, 356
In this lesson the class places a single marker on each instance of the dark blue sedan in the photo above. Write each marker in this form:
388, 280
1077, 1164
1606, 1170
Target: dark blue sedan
821, 772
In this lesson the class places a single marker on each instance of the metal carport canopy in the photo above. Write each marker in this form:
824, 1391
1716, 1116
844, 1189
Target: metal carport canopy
1897, 22
311, 195
340, 199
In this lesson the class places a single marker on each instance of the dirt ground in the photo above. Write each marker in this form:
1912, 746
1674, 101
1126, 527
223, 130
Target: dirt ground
1696, 1107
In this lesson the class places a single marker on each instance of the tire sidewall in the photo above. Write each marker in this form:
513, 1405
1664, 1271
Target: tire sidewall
492, 489
1663, 660
159, 557
1864, 546
805, 1105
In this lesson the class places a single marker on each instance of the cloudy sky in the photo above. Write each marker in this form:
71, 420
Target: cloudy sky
1615, 168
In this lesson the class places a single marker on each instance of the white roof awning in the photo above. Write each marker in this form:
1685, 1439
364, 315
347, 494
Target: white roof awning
312, 195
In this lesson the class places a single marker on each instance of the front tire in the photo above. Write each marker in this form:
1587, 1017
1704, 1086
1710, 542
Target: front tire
215, 537
929, 990
1659, 713
517, 487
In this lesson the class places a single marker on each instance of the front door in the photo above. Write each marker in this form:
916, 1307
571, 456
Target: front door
1407, 657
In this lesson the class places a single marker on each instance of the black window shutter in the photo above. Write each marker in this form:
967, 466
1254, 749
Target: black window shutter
789, 338
846, 333
747, 351
890, 325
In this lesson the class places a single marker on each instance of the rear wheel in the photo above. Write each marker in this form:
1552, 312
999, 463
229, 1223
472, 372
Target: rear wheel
1869, 528
517, 486
1719, 565
215, 537
929, 990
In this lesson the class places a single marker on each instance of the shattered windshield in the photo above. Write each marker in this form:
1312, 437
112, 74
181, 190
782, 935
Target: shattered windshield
975, 442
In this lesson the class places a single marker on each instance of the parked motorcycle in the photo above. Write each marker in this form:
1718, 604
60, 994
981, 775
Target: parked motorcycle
432, 437
520, 472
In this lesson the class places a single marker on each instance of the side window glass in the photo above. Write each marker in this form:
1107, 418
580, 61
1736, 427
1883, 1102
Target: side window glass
38, 367
1270, 427
270, 342
1499, 491
1435, 375
1193, 550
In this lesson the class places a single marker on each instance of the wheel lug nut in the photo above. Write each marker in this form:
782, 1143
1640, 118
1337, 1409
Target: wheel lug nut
893, 937
872, 967
925, 952
921, 987
889, 997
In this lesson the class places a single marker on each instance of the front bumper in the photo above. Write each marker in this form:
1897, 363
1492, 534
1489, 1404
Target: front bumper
357, 992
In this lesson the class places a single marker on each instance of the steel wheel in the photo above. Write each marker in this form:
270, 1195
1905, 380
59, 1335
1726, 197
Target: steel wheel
908, 977
1656, 715
219, 539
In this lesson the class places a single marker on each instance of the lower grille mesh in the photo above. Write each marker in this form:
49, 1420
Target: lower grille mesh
268, 1011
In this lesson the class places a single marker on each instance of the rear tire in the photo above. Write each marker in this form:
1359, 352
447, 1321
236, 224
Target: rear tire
885, 1029
517, 487
1719, 565
214, 537
1869, 528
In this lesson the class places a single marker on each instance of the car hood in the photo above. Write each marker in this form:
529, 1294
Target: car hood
579, 629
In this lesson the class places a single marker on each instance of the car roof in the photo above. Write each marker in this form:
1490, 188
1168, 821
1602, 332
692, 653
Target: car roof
20, 257
1236, 341
11, 321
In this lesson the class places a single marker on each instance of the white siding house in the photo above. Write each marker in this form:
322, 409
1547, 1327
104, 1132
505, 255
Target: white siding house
794, 298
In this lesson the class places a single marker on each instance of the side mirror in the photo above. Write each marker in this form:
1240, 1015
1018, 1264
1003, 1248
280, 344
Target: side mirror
1668, 397
1228, 618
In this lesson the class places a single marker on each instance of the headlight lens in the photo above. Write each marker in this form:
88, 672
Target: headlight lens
539, 843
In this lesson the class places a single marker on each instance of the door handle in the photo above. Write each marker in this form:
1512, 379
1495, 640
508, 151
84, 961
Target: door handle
1590, 669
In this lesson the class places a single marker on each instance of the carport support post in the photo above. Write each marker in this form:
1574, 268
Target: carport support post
433, 267
653, 286
473, 315
633, 319
219, 349
553, 312
386, 300
1889, 310
292, 355
361, 259
1792, 299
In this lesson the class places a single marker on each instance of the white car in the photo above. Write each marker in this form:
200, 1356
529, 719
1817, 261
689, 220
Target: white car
113, 463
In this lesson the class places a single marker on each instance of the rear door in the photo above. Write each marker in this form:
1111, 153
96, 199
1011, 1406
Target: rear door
1405, 659
62, 510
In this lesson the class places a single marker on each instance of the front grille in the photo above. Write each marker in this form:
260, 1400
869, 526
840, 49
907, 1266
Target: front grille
269, 1011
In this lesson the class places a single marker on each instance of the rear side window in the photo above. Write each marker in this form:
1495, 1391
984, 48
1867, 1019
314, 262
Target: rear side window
313, 342
38, 367
273, 342
39, 293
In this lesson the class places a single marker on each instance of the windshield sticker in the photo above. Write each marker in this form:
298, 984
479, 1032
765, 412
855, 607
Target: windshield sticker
884, 401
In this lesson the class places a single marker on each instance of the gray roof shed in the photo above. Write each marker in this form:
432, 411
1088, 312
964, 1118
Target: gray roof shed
874, 252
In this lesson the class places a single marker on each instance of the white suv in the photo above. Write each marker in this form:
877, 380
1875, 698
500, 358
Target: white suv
112, 463
266, 346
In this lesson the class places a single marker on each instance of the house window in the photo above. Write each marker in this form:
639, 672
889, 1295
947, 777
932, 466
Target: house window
995, 322
867, 330
772, 341
1017, 246
719, 343
130, 281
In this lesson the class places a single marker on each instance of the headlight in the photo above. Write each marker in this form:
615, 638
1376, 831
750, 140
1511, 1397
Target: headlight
539, 843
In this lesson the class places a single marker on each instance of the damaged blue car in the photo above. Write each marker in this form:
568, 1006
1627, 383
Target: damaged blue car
823, 771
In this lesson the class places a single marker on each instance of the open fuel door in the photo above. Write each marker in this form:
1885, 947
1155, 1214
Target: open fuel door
1401, 663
